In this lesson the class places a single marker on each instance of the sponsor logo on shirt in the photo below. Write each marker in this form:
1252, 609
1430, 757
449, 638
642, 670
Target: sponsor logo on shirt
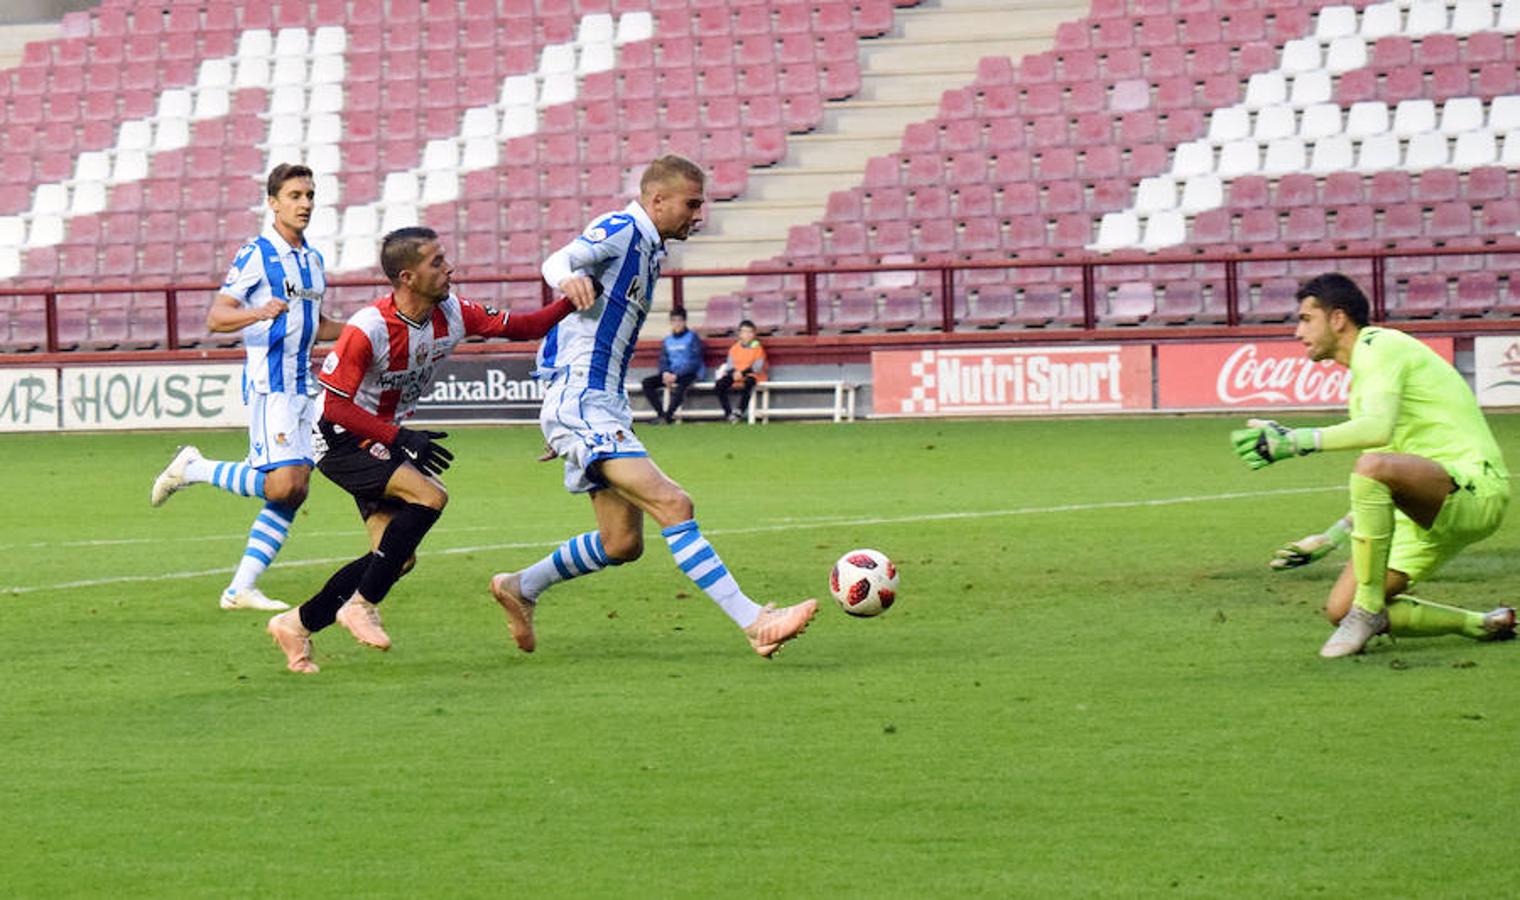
379, 451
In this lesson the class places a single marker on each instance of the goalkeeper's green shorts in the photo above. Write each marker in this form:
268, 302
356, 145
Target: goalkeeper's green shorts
1471, 513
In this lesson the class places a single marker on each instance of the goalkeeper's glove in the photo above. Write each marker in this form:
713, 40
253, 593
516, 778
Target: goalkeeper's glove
1310, 549
423, 449
1263, 442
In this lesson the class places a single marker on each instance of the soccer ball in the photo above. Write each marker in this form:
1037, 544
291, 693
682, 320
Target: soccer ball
864, 582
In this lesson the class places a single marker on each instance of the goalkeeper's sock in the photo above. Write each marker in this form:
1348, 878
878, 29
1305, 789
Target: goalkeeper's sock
700, 562
234, 478
580, 555
322, 609
265, 539
1412, 617
1371, 536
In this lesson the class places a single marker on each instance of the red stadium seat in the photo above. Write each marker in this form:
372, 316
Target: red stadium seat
1421, 297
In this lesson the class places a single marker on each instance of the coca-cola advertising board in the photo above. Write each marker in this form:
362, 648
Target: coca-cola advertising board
1009, 380
1496, 369
1254, 375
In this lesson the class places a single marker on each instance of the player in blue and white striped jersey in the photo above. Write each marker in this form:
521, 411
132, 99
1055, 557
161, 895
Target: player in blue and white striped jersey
273, 295
611, 270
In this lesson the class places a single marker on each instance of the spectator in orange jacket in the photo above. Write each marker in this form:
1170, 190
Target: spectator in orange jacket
745, 367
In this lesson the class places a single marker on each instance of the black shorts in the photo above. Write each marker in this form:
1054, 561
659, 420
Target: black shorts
358, 465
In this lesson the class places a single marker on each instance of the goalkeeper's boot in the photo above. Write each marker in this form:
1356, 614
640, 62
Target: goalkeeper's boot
362, 619
293, 638
775, 627
1357, 628
250, 598
506, 587
1499, 625
172, 478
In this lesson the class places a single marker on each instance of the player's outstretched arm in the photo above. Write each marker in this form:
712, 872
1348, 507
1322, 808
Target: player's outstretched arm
1311, 548
1263, 442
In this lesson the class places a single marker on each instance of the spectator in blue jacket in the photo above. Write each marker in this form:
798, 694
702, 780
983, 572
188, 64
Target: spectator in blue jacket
680, 365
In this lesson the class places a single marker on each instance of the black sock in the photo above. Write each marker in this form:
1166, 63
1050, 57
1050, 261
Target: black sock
320, 611
397, 545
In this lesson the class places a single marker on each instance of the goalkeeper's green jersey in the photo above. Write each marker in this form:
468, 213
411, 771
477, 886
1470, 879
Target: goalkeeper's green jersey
1435, 414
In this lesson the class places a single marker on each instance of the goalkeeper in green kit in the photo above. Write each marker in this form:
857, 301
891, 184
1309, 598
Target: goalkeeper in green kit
1429, 481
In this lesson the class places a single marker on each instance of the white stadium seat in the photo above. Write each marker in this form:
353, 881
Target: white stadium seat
252, 72
517, 121
1346, 54
557, 58
129, 165
1461, 114
635, 26
47, 229
1154, 194
519, 90
1509, 17
1427, 151
558, 87
1266, 89
1367, 118
1334, 153
1275, 122
398, 215
135, 134
1229, 123
1378, 152
1381, 20
362, 221
292, 42
1320, 120
212, 103
1475, 148
480, 153
1239, 158
1333, 22
1310, 88
479, 122
440, 187
324, 128
92, 165
1412, 117
326, 98
290, 70
1193, 158
287, 100
329, 40
1117, 230
255, 43
327, 70
324, 158
171, 134
1300, 55
1509, 157
324, 221
440, 153
214, 73
12, 231
1284, 156
596, 58
399, 187
88, 199
595, 28
1426, 17
1166, 228
1472, 16
1201, 192
358, 253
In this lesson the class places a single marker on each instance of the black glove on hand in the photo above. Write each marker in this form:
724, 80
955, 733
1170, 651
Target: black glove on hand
423, 449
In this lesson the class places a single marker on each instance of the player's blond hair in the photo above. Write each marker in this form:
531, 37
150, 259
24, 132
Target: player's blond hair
669, 169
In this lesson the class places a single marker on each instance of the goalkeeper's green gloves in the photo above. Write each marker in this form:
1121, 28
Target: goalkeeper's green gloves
1310, 549
1263, 442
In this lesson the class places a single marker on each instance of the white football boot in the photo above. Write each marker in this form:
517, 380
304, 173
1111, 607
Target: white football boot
251, 598
172, 478
1357, 628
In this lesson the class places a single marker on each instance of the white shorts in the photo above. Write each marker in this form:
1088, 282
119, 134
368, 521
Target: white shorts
585, 427
279, 430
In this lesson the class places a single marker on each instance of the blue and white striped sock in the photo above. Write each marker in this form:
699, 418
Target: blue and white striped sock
265, 539
580, 555
700, 562
235, 478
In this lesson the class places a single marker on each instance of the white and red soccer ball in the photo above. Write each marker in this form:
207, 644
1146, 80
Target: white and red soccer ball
864, 583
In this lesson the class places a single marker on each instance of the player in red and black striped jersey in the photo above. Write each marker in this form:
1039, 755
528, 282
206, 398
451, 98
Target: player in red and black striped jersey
384, 361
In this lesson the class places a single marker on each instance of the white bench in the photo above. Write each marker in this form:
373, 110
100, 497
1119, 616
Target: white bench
761, 405
843, 409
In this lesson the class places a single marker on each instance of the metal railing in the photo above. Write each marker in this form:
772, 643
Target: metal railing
1086, 288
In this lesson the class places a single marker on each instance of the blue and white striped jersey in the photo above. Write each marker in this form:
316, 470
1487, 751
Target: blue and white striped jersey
279, 349
621, 252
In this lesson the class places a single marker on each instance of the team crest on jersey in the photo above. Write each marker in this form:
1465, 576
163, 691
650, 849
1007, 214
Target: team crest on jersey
491, 311
421, 355
330, 364
596, 234
379, 451
282, 439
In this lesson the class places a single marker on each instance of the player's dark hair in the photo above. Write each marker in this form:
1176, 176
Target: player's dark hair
667, 169
747, 324
1333, 290
283, 173
678, 313
402, 248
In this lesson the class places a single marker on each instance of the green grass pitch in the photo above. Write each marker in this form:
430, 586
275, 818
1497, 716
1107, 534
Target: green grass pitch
1091, 685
